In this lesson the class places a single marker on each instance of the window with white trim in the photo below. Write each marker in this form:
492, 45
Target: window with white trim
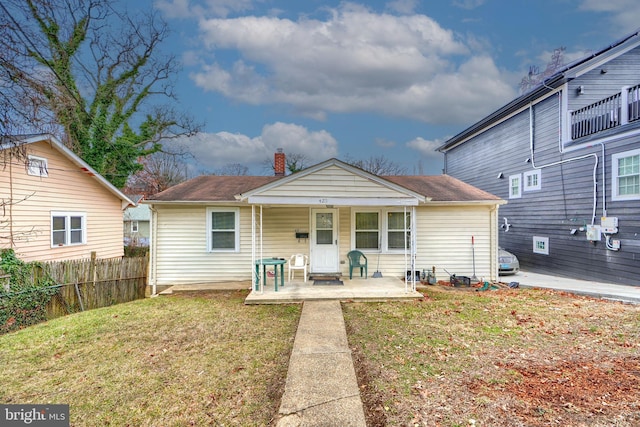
540, 245
37, 166
398, 228
532, 180
68, 228
515, 186
134, 226
625, 179
367, 230
223, 229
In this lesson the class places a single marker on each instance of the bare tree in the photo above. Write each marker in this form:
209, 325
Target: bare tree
160, 171
377, 165
233, 169
92, 71
535, 78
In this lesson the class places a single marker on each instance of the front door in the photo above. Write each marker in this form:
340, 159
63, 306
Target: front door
324, 241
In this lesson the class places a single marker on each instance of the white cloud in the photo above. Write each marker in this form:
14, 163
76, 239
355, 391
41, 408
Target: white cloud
425, 147
215, 150
354, 61
624, 14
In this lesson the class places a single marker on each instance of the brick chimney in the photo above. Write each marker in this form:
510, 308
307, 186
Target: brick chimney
279, 162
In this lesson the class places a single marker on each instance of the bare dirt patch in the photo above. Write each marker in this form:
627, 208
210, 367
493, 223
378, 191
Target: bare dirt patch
577, 391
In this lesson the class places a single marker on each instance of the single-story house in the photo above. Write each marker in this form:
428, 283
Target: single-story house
214, 229
137, 226
55, 206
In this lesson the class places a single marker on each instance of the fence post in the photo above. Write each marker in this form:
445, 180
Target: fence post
92, 268
79, 296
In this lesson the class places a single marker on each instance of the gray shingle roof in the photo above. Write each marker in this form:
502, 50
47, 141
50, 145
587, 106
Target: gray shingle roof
213, 188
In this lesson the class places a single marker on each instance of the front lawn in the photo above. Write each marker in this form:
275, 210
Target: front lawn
497, 358
199, 359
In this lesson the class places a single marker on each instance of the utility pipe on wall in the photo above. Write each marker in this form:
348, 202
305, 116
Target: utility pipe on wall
562, 151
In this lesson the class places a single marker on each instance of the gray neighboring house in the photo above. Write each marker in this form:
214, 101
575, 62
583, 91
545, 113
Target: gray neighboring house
137, 224
566, 156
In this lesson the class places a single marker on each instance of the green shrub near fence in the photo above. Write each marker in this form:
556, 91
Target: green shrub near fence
43, 290
25, 302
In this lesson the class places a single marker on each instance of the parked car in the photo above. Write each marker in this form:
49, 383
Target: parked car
509, 263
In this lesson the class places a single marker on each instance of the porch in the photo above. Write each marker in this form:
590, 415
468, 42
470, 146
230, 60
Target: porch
357, 289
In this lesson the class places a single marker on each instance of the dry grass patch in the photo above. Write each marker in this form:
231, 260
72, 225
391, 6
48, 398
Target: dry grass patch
189, 359
498, 358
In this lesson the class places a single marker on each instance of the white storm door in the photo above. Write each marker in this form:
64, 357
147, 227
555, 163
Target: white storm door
324, 241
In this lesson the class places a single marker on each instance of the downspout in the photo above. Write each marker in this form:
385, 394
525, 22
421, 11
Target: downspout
153, 251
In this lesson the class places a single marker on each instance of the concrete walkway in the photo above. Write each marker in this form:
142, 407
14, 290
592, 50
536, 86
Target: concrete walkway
625, 293
321, 387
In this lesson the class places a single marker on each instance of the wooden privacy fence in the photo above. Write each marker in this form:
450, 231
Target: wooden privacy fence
94, 283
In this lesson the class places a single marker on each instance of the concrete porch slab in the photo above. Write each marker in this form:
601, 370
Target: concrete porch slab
357, 289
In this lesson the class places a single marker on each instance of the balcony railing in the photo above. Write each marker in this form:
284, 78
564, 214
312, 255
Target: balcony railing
633, 96
606, 113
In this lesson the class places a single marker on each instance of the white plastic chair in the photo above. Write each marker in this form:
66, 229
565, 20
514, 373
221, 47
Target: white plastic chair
298, 262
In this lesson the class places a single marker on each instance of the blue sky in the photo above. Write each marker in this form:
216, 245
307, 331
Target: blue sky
360, 79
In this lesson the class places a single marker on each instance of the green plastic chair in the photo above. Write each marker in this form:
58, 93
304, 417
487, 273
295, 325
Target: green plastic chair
357, 260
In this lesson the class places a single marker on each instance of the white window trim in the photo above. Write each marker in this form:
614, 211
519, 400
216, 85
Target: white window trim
544, 241
525, 180
67, 228
380, 229
236, 212
40, 170
614, 176
386, 230
134, 226
383, 216
519, 178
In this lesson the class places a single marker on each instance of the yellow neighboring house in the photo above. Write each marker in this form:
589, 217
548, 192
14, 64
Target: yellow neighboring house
54, 205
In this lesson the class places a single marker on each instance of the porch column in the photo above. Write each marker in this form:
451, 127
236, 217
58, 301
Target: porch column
256, 249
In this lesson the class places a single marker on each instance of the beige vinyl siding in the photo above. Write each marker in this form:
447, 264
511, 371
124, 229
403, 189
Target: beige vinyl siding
332, 182
444, 241
181, 243
66, 189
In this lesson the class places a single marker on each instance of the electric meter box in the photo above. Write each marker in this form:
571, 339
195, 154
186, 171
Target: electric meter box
593, 233
609, 224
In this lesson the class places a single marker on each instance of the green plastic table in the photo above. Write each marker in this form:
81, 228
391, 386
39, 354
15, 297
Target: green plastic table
270, 261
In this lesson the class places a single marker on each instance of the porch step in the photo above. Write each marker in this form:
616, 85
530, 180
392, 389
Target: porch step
325, 276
